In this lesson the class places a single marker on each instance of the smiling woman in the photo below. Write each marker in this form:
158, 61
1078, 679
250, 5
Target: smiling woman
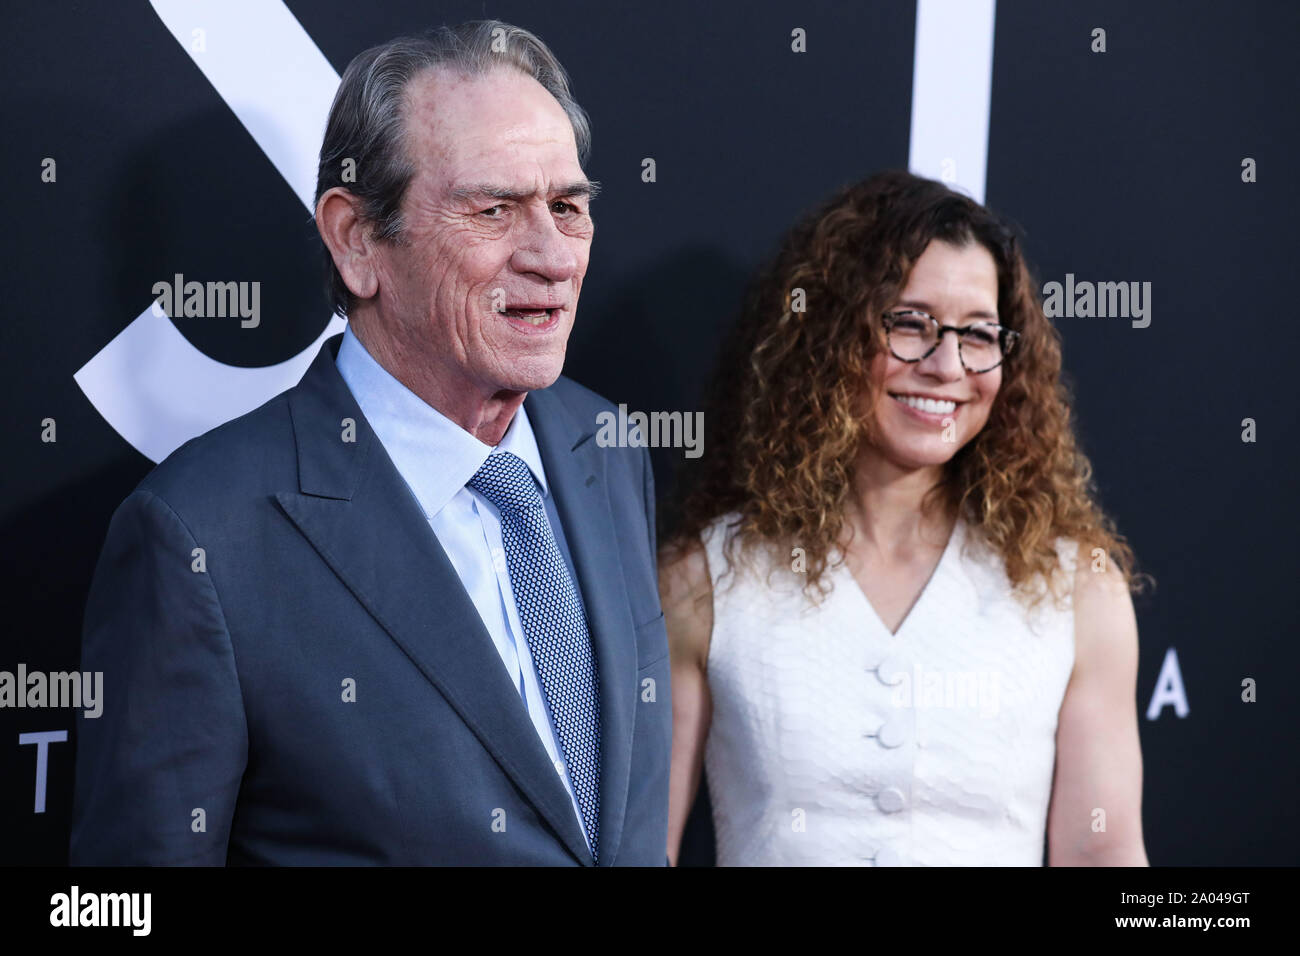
893, 486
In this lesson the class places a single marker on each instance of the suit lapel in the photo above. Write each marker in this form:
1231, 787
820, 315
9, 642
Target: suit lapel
360, 516
575, 472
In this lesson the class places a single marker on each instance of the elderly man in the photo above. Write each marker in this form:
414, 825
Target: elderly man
405, 612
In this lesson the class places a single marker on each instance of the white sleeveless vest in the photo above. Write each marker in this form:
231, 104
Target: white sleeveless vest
834, 742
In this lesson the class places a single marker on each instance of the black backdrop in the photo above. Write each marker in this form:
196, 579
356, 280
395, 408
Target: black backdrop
1119, 166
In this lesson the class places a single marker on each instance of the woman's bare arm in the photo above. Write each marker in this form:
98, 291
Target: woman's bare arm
687, 597
1095, 818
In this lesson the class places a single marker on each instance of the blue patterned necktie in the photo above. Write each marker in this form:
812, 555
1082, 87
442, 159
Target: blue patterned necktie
553, 623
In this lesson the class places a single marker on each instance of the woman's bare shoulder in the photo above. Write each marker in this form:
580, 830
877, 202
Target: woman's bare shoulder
686, 593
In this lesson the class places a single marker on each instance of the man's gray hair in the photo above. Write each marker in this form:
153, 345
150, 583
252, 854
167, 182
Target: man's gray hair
366, 123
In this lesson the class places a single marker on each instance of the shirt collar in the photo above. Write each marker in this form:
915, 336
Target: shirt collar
432, 453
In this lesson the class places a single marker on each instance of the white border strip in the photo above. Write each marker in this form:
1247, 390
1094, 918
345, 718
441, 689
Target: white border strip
952, 80
268, 70
154, 387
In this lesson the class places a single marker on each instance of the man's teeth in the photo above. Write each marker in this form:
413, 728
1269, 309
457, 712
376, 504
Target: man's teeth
532, 317
931, 405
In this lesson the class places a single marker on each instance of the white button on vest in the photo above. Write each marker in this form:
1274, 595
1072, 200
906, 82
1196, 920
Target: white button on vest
894, 733
891, 670
891, 800
559, 766
887, 857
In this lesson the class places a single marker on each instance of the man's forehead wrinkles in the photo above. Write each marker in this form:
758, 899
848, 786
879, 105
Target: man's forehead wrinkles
488, 190
549, 131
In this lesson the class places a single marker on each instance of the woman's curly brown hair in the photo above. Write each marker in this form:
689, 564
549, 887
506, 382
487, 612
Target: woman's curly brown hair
793, 400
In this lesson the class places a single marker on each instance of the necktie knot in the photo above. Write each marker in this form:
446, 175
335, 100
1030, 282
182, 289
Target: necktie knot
504, 480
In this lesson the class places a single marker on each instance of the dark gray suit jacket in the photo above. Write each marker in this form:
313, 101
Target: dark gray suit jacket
225, 736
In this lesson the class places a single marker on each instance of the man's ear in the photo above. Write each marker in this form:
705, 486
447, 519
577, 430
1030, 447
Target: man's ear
349, 241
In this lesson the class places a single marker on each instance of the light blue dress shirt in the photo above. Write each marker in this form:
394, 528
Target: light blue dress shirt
436, 457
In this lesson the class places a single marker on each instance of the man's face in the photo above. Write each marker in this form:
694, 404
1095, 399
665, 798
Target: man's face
497, 231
